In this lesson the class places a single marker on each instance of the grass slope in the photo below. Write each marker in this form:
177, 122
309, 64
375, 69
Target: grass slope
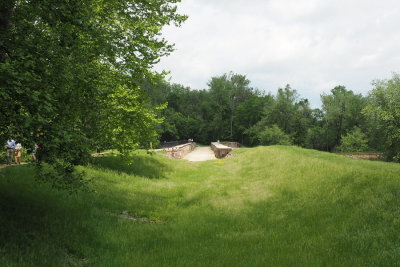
266, 206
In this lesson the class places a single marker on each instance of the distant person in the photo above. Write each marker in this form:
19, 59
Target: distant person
39, 152
17, 153
34, 151
10, 146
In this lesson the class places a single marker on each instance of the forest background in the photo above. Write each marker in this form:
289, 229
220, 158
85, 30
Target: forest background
230, 109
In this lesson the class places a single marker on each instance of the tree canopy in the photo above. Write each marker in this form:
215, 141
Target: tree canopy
71, 71
383, 112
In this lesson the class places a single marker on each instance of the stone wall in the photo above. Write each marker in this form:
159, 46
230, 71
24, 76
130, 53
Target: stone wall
231, 144
179, 152
220, 150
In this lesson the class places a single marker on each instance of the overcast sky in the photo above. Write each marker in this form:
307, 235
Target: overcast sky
313, 45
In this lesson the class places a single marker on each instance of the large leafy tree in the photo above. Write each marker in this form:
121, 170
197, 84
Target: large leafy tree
227, 93
70, 73
383, 112
284, 109
249, 113
290, 113
342, 109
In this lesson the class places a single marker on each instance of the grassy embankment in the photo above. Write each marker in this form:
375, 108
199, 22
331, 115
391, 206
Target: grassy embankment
276, 206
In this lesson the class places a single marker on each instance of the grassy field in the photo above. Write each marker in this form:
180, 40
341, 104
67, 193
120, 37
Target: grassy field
265, 206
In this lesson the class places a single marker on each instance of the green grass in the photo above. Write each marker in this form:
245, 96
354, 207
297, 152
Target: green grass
265, 206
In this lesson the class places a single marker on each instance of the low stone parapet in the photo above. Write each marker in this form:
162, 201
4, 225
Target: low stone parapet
179, 152
231, 144
220, 150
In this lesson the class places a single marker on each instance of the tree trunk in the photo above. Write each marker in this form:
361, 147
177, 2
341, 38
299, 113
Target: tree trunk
231, 126
6, 10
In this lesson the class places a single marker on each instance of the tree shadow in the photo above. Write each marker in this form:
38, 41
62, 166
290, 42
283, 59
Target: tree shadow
34, 231
40, 226
139, 165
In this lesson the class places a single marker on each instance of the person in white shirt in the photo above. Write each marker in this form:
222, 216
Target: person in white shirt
10, 146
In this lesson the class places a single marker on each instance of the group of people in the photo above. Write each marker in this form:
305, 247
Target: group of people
14, 151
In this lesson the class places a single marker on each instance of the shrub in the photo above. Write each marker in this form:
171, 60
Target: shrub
355, 141
274, 136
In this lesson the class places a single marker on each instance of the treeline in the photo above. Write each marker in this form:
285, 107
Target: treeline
230, 109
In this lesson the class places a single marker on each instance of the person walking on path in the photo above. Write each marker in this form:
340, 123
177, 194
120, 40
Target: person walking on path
10, 150
18, 153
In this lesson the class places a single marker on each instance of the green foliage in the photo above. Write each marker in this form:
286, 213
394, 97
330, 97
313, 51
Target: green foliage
273, 136
62, 175
316, 138
342, 110
284, 108
383, 111
130, 120
291, 114
227, 92
70, 74
354, 141
248, 114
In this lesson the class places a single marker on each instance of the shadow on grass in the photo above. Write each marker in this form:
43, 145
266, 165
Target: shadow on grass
40, 226
35, 231
140, 165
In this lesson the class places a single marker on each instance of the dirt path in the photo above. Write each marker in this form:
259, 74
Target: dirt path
200, 154
5, 165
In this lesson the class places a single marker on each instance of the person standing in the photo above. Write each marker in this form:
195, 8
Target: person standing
10, 150
34, 151
18, 148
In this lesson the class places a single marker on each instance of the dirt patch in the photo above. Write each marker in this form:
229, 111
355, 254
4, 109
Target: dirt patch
127, 216
200, 154
365, 156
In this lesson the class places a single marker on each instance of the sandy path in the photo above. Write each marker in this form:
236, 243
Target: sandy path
200, 154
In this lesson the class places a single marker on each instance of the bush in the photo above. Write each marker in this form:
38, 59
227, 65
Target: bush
355, 141
274, 136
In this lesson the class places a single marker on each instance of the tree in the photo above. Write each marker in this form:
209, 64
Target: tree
6, 10
227, 93
71, 71
274, 136
289, 113
302, 121
383, 109
342, 109
247, 114
284, 109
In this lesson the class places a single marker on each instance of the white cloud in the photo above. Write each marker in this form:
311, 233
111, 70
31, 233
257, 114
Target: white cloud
313, 45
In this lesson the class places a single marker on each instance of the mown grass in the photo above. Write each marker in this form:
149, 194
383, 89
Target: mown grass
266, 206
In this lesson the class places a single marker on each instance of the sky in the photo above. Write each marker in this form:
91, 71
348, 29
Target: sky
313, 45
